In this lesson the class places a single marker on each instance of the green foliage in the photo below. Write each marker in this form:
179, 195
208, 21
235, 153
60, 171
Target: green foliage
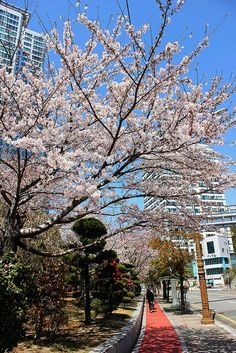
126, 300
122, 267
15, 287
229, 275
131, 295
71, 279
137, 287
124, 281
171, 261
109, 281
112, 281
89, 229
107, 285
97, 306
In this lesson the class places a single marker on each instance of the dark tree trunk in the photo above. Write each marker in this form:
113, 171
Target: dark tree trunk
164, 290
168, 291
111, 302
8, 241
87, 293
182, 299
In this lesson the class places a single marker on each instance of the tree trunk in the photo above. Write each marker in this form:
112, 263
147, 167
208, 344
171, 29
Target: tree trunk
164, 290
182, 299
87, 293
111, 302
168, 291
8, 241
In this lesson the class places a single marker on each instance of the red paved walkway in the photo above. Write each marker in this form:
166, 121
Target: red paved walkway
160, 336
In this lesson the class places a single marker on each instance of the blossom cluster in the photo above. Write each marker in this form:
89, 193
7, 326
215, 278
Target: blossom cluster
79, 142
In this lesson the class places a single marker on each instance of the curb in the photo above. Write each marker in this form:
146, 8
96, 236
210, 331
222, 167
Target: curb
142, 332
226, 328
220, 324
125, 340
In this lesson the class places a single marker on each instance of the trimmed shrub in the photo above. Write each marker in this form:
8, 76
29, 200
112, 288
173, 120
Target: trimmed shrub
137, 287
131, 295
126, 300
97, 306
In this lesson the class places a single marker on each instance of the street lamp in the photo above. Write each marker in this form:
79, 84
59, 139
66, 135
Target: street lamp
207, 318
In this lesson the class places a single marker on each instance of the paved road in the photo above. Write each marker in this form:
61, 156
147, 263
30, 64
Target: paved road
222, 301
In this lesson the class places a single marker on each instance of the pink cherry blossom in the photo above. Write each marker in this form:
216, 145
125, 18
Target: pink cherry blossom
83, 139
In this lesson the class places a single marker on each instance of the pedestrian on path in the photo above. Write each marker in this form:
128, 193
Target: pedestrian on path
150, 299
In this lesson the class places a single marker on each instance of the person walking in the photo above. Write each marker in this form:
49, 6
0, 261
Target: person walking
150, 299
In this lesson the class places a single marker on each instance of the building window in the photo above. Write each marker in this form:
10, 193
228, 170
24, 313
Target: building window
210, 247
210, 234
214, 261
214, 271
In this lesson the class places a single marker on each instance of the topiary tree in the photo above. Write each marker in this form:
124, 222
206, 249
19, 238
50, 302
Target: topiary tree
115, 282
106, 281
89, 231
108, 286
130, 280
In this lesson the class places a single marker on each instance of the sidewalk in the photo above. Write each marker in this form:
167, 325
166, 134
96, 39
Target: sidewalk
200, 338
167, 331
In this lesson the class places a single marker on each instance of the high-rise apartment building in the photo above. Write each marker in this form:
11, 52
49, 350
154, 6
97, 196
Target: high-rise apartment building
217, 244
18, 44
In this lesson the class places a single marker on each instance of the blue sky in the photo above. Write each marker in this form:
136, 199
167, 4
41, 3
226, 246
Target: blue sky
219, 15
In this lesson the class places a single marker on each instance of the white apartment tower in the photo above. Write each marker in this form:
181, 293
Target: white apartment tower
216, 244
18, 44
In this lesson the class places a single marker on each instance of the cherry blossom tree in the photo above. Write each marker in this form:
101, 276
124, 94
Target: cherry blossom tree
79, 139
134, 248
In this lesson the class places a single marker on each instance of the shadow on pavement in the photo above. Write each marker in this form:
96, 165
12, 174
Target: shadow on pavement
208, 341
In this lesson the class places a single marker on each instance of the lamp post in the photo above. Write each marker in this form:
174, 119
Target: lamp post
207, 318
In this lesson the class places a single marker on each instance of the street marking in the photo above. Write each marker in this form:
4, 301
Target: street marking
224, 317
226, 328
230, 301
227, 318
